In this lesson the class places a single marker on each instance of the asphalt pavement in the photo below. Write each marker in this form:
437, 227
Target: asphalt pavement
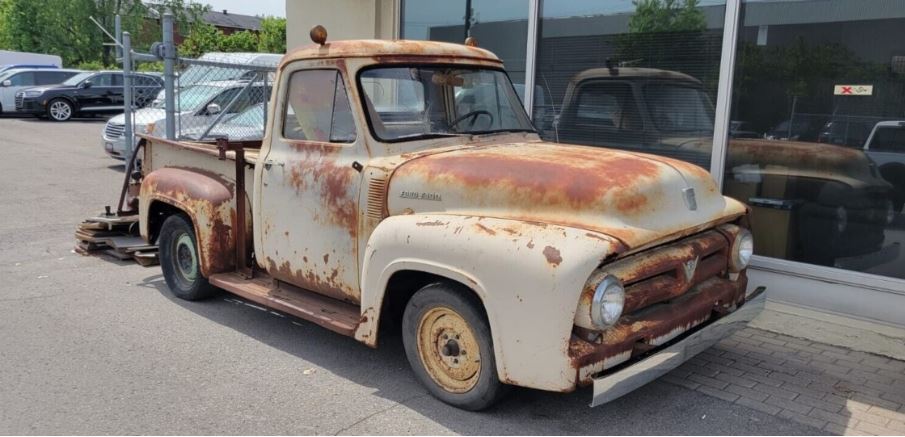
96, 346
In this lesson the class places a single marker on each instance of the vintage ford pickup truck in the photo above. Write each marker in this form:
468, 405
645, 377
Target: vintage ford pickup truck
386, 196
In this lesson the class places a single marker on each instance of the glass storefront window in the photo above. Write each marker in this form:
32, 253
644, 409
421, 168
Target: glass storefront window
817, 144
637, 75
500, 26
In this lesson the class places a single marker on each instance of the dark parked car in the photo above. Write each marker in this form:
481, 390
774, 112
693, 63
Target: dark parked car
89, 93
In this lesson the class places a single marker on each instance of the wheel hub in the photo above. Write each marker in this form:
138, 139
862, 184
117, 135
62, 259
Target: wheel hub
449, 350
186, 260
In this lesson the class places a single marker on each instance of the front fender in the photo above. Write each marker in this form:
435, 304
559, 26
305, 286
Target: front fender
207, 201
529, 277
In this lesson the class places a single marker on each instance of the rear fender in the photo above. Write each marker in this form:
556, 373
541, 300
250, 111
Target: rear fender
208, 200
528, 276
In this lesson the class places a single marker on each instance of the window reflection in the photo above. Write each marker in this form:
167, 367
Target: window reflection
638, 76
816, 159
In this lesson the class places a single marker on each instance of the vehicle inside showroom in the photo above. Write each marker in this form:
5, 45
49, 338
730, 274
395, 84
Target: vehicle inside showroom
797, 107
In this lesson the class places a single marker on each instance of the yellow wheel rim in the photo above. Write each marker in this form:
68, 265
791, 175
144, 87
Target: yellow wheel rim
449, 350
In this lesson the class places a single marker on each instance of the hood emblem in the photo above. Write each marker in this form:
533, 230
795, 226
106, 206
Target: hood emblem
690, 266
690, 201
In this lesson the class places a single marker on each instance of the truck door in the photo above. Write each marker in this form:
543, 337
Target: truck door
308, 211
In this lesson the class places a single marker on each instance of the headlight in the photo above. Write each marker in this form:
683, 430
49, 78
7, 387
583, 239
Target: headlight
841, 219
30, 93
608, 301
741, 250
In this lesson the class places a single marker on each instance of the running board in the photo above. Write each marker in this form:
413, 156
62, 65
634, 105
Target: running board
335, 315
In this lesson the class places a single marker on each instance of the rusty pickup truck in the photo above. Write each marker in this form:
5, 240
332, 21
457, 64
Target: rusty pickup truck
401, 184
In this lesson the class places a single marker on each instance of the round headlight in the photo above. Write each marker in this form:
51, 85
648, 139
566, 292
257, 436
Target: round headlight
841, 219
609, 299
742, 250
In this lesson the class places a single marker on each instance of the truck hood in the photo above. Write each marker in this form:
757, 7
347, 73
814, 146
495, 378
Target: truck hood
747, 158
635, 198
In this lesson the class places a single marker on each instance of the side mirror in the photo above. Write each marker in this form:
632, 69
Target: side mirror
213, 109
86, 84
7, 82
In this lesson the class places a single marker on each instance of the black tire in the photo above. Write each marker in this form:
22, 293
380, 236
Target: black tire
60, 109
179, 260
486, 388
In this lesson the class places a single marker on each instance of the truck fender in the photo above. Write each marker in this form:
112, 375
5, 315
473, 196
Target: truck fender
529, 277
207, 200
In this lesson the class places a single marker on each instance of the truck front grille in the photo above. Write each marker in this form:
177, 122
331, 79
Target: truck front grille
669, 271
669, 291
114, 130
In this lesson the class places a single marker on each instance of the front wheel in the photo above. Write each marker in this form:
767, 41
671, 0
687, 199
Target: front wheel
448, 344
178, 251
59, 110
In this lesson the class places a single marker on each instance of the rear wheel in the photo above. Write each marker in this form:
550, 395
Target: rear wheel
59, 110
448, 344
179, 259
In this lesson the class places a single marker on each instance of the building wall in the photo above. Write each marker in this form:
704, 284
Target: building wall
344, 19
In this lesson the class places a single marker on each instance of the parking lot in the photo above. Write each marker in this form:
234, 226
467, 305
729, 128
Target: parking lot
91, 345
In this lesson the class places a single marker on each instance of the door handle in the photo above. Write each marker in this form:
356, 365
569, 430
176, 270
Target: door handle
270, 163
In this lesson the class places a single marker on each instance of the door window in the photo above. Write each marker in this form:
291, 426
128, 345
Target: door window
102, 80
608, 105
889, 139
318, 108
23, 79
51, 77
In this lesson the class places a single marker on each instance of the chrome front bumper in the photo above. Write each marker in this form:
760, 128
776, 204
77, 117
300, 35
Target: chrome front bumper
615, 385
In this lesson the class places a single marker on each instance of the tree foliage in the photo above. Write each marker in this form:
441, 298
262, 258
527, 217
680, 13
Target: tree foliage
272, 38
667, 16
64, 28
204, 38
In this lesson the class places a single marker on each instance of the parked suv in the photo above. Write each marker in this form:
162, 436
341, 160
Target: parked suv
88, 93
196, 106
886, 147
17, 79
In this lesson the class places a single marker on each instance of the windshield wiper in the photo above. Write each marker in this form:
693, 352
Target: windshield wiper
431, 135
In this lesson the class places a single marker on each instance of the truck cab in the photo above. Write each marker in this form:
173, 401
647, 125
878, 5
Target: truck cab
401, 183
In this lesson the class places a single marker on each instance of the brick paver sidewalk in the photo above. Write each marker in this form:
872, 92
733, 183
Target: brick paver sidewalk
836, 390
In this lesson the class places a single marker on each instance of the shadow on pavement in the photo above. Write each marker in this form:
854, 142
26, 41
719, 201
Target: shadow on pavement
659, 408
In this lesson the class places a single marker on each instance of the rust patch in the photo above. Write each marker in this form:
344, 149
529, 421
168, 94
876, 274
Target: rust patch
553, 256
530, 244
485, 229
326, 258
433, 223
639, 333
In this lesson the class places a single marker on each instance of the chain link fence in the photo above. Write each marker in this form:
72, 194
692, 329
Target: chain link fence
218, 95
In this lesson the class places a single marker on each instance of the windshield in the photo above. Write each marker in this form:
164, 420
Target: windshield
678, 108
192, 98
75, 80
253, 116
422, 102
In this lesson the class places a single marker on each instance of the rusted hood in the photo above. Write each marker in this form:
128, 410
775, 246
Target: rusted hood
795, 158
635, 198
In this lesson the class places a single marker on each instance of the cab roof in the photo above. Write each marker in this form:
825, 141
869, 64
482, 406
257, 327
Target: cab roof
632, 73
379, 48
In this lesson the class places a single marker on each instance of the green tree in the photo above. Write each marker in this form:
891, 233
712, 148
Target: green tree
667, 16
272, 38
64, 27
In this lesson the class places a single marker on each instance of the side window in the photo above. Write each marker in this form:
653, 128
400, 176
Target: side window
889, 139
102, 80
50, 77
117, 79
317, 108
608, 105
23, 79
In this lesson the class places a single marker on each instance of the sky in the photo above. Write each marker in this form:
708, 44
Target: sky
276, 8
